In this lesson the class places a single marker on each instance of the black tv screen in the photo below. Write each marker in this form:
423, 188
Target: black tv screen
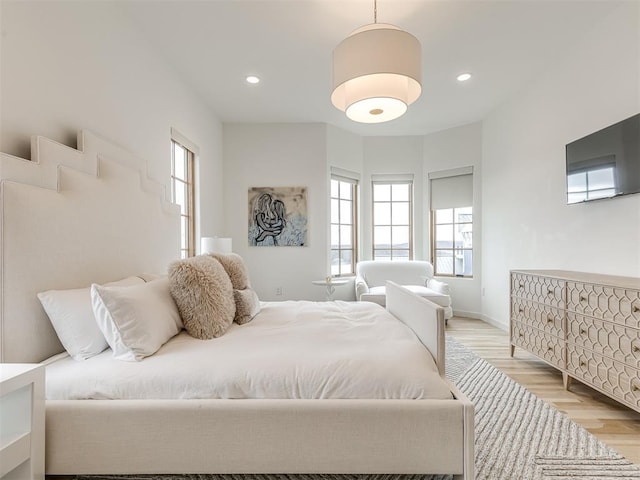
606, 163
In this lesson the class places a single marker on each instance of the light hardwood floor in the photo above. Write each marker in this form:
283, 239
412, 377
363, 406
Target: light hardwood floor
613, 423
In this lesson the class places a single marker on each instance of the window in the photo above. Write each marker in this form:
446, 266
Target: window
591, 183
452, 222
343, 225
182, 193
392, 213
453, 241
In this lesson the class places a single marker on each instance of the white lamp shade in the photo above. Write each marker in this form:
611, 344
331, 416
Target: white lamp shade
377, 73
215, 245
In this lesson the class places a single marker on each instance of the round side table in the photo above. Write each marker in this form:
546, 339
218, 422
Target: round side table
330, 284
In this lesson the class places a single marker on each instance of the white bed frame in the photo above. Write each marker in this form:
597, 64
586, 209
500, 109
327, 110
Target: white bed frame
73, 217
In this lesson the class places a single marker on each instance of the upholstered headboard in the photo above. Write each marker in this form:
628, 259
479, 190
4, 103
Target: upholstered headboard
70, 218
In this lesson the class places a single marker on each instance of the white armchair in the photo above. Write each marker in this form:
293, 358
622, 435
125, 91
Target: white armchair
415, 275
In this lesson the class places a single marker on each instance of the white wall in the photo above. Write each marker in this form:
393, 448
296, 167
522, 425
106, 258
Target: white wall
448, 149
344, 149
278, 155
526, 222
67, 66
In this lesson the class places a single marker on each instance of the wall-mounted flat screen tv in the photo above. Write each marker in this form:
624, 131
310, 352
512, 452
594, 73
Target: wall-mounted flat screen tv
606, 163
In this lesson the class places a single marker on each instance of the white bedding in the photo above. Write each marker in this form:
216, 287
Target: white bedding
298, 350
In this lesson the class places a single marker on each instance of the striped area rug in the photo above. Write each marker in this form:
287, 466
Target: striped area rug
518, 436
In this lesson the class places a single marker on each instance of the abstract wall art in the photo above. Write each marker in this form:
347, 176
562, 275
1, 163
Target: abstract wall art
277, 216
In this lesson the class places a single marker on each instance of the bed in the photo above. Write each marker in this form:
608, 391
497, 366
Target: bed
74, 217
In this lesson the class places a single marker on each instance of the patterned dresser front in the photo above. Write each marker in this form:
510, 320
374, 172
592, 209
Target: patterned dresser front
586, 325
538, 316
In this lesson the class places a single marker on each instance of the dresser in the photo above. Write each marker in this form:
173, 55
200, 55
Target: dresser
586, 325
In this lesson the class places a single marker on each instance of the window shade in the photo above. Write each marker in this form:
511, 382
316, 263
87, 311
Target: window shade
452, 191
345, 175
392, 178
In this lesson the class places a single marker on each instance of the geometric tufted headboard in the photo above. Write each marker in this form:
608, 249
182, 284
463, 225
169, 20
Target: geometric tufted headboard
70, 218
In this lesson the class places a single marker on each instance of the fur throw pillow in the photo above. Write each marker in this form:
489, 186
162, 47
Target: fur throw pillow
247, 305
235, 268
203, 293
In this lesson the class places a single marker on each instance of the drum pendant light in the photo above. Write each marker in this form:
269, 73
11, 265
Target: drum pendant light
377, 72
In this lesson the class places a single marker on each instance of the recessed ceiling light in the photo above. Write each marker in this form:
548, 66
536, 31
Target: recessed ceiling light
463, 77
252, 79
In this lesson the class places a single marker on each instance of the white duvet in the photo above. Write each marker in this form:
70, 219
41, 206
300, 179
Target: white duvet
303, 350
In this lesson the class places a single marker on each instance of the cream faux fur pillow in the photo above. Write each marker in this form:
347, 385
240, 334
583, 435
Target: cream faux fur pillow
235, 268
247, 305
203, 293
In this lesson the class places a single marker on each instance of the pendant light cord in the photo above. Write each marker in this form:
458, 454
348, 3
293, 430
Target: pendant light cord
375, 11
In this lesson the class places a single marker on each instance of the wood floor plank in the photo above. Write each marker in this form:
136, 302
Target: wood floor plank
613, 423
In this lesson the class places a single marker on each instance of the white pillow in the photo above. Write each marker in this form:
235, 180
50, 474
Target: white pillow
148, 277
72, 318
137, 320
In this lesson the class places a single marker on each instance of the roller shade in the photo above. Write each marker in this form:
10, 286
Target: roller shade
345, 175
451, 191
392, 178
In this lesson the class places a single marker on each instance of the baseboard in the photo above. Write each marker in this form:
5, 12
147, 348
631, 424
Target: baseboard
495, 323
462, 313
484, 318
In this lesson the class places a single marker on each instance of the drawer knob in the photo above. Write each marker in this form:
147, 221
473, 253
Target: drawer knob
550, 291
549, 348
549, 319
635, 388
520, 335
520, 310
583, 298
582, 331
583, 364
636, 309
521, 285
636, 348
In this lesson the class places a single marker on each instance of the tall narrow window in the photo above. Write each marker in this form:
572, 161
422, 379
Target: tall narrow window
343, 225
182, 193
392, 214
452, 222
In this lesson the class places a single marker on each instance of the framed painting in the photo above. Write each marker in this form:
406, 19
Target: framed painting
277, 216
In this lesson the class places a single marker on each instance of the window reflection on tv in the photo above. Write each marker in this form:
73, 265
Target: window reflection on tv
606, 163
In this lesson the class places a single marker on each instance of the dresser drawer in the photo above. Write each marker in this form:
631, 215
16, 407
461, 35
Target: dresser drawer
547, 347
614, 378
619, 305
606, 338
548, 291
540, 316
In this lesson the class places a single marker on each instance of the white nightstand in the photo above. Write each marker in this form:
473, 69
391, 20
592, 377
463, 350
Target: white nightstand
21, 421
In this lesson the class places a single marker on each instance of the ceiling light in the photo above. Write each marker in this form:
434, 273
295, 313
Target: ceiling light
377, 72
463, 77
252, 79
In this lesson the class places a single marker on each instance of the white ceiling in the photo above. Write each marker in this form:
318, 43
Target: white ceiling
506, 44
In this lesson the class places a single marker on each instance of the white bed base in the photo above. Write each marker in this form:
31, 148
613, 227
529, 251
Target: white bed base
73, 217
